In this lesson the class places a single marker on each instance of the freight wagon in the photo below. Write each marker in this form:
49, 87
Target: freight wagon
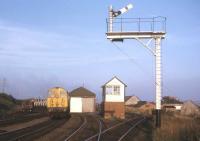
58, 102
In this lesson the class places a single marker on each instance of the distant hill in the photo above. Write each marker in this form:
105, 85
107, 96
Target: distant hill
7, 103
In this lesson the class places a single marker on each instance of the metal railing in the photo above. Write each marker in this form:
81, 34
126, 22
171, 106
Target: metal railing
155, 24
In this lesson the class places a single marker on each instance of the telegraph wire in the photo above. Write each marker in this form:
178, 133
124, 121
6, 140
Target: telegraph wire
139, 66
130, 58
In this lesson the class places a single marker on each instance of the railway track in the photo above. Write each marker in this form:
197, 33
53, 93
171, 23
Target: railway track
117, 132
90, 126
20, 119
32, 132
82, 124
130, 129
97, 136
92, 129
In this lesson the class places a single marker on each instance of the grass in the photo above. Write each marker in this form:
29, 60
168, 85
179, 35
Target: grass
174, 127
177, 128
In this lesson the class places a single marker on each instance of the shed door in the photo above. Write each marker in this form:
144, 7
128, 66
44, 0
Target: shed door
88, 104
75, 105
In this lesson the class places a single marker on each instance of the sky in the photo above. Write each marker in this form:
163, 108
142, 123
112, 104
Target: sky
45, 43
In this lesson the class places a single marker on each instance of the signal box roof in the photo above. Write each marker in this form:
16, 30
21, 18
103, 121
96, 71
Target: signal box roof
114, 78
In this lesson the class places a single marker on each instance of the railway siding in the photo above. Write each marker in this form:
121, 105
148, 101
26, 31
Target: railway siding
130, 129
32, 132
90, 128
21, 119
64, 131
119, 131
80, 127
24, 124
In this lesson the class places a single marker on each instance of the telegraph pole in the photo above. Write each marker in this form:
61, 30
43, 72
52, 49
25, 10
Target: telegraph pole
158, 80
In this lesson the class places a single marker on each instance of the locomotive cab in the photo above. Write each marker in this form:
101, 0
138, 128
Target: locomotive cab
58, 102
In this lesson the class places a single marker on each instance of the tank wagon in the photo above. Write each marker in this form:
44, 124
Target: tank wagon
58, 102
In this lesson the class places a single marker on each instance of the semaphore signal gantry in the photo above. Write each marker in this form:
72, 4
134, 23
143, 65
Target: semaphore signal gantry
139, 29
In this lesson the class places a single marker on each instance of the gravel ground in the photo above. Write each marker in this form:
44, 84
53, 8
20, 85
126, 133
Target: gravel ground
23, 125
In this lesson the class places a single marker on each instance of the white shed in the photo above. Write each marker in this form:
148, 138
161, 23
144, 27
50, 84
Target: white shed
82, 101
113, 98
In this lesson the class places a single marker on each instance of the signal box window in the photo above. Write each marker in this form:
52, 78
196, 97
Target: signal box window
116, 90
108, 89
113, 90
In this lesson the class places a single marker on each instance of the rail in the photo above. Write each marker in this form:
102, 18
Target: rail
31, 132
20, 119
128, 131
80, 127
100, 130
98, 135
139, 121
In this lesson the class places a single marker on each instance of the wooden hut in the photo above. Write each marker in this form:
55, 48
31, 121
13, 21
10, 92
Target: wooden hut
82, 100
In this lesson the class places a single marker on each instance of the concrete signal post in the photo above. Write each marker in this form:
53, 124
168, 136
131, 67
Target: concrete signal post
140, 29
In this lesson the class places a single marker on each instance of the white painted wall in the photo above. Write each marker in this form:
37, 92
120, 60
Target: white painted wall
178, 107
75, 105
115, 98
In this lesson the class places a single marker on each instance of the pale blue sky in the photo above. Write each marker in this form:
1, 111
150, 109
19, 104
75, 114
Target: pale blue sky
62, 43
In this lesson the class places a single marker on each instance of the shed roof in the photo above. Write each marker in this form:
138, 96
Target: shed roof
148, 105
82, 92
117, 79
129, 97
